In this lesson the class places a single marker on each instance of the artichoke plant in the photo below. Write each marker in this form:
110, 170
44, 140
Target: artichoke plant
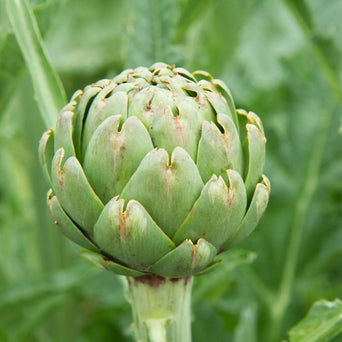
155, 172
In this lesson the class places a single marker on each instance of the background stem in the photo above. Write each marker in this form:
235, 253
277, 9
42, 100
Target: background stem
278, 308
48, 89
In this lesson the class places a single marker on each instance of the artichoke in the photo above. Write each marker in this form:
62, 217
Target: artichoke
155, 172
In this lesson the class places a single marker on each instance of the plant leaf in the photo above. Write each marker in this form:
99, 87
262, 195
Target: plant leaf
322, 323
49, 92
151, 29
247, 327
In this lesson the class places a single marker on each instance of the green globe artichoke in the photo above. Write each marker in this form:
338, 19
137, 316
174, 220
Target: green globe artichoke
155, 171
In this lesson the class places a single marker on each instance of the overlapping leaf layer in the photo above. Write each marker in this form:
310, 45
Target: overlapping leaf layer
155, 171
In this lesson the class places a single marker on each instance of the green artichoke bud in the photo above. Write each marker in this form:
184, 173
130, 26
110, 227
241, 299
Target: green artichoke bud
155, 171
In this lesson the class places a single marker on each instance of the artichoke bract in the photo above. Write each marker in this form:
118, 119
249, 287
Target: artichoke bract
155, 172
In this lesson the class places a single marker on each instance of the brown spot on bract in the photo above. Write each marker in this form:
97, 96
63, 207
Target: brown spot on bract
122, 224
195, 250
231, 198
61, 180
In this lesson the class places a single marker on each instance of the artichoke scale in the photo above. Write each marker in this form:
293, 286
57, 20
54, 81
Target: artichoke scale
223, 89
139, 105
66, 225
254, 213
109, 265
64, 134
46, 153
217, 213
256, 158
182, 130
187, 259
218, 151
117, 153
130, 235
167, 190
115, 104
81, 111
74, 192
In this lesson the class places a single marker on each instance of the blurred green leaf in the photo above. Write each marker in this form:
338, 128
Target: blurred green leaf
269, 61
94, 48
327, 53
247, 327
151, 29
322, 323
216, 284
190, 12
212, 40
55, 284
49, 92
35, 314
304, 11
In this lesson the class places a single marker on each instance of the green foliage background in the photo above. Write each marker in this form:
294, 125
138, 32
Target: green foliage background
281, 59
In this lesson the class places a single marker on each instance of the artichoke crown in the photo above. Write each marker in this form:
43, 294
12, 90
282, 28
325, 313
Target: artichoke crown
155, 171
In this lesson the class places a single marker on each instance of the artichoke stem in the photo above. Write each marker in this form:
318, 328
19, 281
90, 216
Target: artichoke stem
161, 308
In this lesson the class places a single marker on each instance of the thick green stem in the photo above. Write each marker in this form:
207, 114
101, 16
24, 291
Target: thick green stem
161, 308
